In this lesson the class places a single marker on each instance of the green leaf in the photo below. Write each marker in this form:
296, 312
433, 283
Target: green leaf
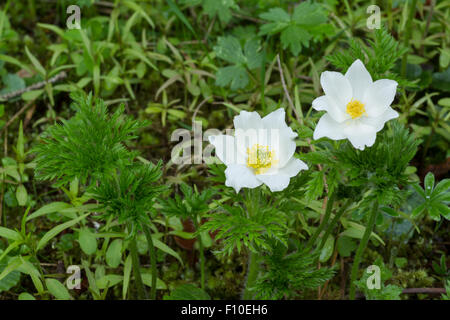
435, 211
53, 28
314, 186
12, 82
10, 280
173, 6
114, 253
58, 229
221, 8
356, 230
88, 241
26, 296
32, 94
441, 187
165, 248
29, 269
429, 183
308, 13
445, 102
390, 211
10, 234
345, 246
14, 61
441, 80
108, 281
49, 208
137, 8
91, 279
21, 195
38, 66
13, 264
188, 292
253, 55
401, 262
418, 210
126, 276
419, 190
73, 187
308, 22
276, 15
147, 280
20, 148
294, 37
235, 76
327, 250
57, 289
229, 49
141, 56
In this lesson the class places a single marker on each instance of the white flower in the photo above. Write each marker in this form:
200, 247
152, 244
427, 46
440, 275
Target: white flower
261, 151
357, 107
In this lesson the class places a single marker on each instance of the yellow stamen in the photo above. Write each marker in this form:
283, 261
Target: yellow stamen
260, 158
355, 109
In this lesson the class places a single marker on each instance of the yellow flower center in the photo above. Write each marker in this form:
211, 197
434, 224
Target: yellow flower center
355, 109
260, 158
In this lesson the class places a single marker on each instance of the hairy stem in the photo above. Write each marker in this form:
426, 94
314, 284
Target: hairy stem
136, 269
362, 246
152, 261
324, 222
252, 200
252, 274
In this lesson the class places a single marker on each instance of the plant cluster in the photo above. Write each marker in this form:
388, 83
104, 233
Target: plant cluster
359, 178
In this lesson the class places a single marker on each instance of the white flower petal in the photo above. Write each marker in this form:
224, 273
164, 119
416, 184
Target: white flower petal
240, 176
247, 120
328, 127
283, 145
277, 120
337, 88
275, 182
378, 96
226, 149
320, 103
359, 134
293, 167
359, 78
278, 136
378, 122
324, 103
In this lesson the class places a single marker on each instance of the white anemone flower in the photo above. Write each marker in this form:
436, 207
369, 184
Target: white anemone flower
357, 107
261, 151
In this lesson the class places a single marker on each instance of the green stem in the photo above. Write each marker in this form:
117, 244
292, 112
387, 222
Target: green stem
408, 29
330, 202
252, 274
333, 223
362, 246
252, 201
349, 11
202, 263
136, 269
41, 271
152, 261
389, 14
202, 257
263, 77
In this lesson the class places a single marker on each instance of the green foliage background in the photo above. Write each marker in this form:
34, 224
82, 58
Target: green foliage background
138, 70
